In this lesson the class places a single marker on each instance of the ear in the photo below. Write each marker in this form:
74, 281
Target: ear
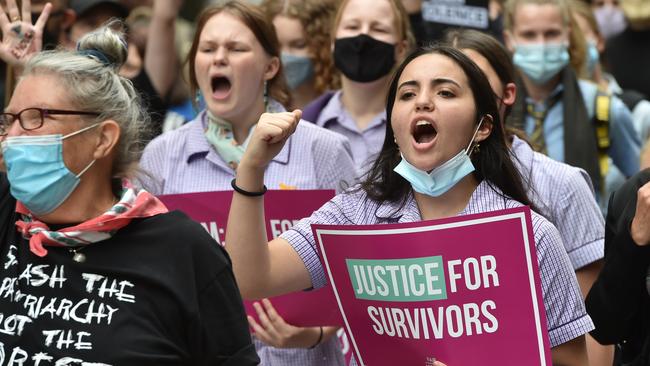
401, 49
109, 135
509, 40
509, 94
272, 68
69, 17
486, 128
600, 43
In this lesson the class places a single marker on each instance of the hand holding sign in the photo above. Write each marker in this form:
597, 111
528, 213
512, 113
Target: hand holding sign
271, 132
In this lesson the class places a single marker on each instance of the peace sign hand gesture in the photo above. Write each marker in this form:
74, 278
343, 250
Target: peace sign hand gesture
21, 39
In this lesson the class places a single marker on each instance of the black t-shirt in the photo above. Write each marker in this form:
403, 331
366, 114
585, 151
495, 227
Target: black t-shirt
436, 16
628, 56
159, 292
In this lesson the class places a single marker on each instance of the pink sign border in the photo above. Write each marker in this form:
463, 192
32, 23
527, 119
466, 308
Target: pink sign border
520, 213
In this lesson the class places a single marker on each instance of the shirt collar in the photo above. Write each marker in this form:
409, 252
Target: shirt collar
394, 211
334, 111
612, 85
331, 111
485, 198
558, 89
522, 154
197, 144
409, 212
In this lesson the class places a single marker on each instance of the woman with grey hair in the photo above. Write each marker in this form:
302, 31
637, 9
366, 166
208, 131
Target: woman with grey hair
93, 269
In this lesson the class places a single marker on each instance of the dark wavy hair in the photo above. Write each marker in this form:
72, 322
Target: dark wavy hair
487, 46
492, 162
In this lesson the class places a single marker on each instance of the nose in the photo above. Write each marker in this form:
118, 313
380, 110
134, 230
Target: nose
423, 103
220, 56
14, 129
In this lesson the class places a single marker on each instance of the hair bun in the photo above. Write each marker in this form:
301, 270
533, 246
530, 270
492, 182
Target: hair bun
105, 44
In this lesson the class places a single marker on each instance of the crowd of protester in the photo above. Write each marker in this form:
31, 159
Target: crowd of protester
111, 103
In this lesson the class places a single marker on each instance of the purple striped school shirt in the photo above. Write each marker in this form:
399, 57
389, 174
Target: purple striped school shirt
564, 195
183, 161
365, 144
565, 311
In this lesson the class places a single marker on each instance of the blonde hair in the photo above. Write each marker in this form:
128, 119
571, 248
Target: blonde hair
402, 22
90, 76
581, 8
577, 42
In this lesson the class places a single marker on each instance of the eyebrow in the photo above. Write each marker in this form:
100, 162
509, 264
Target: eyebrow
434, 82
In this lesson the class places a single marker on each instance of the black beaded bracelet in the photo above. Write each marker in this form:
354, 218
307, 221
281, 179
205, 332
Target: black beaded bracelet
320, 338
247, 193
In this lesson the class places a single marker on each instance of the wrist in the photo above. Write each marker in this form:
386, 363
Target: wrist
249, 179
247, 193
163, 12
637, 234
247, 167
319, 339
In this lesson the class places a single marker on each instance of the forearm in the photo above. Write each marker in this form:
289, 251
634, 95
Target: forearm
571, 353
329, 332
246, 234
160, 60
587, 275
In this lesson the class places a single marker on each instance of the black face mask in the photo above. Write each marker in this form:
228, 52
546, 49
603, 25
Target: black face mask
363, 58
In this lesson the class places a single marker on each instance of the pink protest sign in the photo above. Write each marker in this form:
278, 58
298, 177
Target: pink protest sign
464, 290
282, 209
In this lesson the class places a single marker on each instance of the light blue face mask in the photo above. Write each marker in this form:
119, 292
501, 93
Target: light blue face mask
541, 61
442, 178
593, 57
37, 173
297, 69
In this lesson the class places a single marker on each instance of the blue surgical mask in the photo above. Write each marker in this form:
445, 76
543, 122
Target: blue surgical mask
593, 57
297, 69
541, 61
37, 173
442, 178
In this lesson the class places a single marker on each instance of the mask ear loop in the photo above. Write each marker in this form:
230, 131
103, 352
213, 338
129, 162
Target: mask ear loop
86, 168
80, 131
474, 136
76, 133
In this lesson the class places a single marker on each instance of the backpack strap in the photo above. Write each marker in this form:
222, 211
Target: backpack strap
601, 123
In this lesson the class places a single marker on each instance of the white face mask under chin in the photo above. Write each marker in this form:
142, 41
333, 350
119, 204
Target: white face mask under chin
442, 178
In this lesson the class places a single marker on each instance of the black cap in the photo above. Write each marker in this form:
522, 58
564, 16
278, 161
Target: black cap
82, 6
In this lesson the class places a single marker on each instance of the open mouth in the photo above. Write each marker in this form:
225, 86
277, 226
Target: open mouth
424, 132
220, 87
